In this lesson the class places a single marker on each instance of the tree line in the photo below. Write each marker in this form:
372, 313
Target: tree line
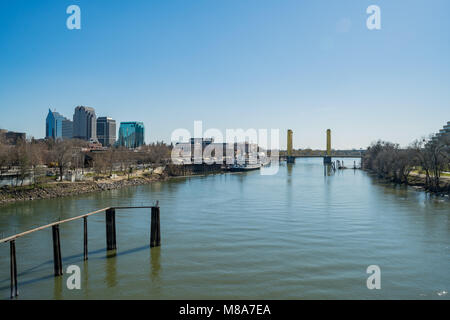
425, 157
36, 156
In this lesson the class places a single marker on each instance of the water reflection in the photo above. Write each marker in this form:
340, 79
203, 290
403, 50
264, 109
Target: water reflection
155, 262
85, 280
289, 171
58, 288
328, 170
111, 269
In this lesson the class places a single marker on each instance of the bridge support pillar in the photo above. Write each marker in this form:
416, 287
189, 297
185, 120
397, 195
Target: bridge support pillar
290, 159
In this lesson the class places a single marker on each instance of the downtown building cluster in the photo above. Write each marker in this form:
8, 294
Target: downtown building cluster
100, 131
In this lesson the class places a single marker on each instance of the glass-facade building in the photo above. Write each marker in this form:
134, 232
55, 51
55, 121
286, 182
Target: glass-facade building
131, 134
57, 126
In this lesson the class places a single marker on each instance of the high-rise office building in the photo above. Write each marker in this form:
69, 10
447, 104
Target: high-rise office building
57, 126
131, 134
106, 131
443, 133
67, 129
85, 123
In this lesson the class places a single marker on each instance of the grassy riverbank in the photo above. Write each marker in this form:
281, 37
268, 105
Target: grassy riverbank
418, 181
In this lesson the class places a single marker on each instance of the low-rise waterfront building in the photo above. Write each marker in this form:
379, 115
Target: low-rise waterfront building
11, 137
205, 150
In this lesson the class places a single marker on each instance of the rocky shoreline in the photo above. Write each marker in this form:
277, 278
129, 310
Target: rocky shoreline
63, 189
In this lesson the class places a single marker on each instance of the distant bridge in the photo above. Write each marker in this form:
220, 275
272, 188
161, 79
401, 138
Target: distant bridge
283, 155
290, 154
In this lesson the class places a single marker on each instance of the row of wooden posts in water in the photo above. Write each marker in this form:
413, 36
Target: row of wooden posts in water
111, 244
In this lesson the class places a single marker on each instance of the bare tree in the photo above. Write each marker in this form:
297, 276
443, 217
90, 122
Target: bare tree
111, 157
435, 154
64, 152
5, 157
388, 160
21, 159
155, 153
100, 163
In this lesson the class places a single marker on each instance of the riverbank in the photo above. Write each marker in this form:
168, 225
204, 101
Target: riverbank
418, 182
62, 189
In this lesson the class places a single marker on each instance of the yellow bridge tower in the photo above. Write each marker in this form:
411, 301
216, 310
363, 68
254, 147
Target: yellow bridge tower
327, 157
290, 158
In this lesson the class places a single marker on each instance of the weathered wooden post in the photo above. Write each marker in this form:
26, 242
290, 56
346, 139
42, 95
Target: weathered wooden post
111, 229
85, 246
57, 262
14, 291
155, 230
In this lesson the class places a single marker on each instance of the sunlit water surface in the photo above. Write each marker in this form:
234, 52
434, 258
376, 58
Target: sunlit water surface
295, 235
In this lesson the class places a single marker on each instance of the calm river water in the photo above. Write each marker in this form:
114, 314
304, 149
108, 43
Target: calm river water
294, 235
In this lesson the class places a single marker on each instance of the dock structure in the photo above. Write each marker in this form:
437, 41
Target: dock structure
111, 244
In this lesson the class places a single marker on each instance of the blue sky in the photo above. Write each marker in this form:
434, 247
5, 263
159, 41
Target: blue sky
305, 65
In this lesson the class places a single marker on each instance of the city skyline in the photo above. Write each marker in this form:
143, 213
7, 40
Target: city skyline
224, 158
177, 62
88, 126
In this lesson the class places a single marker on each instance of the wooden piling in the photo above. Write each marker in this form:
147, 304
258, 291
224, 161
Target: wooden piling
155, 230
155, 238
85, 242
158, 229
14, 290
152, 228
111, 229
57, 261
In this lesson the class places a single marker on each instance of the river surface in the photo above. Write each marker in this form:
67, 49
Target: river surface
295, 235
